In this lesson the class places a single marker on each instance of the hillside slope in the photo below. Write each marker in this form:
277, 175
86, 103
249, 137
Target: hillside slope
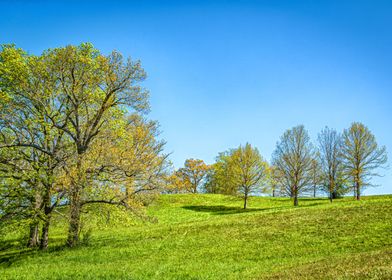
211, 237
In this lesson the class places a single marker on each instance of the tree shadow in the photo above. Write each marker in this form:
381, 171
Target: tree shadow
16, 253
221, 209
314, 198
304, 205
287, 199
10, 257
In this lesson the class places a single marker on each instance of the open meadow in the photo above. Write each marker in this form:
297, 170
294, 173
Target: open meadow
211, 237
195, 140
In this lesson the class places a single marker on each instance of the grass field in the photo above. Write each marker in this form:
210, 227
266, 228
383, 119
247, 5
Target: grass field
211, 237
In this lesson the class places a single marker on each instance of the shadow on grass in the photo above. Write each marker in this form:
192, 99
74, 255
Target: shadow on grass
17, 253
226, 210
221, 209
9, 258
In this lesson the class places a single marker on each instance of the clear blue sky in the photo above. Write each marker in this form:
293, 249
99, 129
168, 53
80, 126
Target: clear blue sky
222, 73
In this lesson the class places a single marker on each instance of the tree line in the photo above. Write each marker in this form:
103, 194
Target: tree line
74, 132
337, 164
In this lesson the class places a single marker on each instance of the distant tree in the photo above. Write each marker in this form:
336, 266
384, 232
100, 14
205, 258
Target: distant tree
238, 171
210, 183
361, 156
175, 183
293, 158
221, 175
316, 175
329, 153
274, 178
251, 171
193, 173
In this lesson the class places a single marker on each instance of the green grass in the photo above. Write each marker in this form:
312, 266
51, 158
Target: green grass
211, 237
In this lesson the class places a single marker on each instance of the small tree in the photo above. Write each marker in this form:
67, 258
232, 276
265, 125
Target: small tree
293, 158
361, 156
221, 175
329, 153
251, 170
193, 174
316, 176
274, 180
175, 183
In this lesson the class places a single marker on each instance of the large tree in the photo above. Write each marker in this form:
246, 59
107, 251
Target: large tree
125, 164
32, 151
361, 156
92, 89
293, 157
63, 106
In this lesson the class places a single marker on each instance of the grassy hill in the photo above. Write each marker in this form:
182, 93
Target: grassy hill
211, 237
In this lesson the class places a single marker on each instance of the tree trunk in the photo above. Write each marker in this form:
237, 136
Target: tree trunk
245, 200
47, 210
314, 191
295, 200
74, 219
75, 206
45, 234
332, 188
295, 196
330, 196
33, 236
273, 192
358, 197
75, 202
34, 227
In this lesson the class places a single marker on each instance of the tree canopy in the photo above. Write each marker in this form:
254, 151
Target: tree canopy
361, 156
71, 122
293, 158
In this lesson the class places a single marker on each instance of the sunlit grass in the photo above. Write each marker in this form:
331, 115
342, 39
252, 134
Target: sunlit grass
211, 237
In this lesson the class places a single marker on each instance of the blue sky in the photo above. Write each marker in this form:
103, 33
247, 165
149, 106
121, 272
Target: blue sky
223, 73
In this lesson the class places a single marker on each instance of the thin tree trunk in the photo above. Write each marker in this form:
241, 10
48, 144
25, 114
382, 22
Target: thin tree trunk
245, 200
358, 192
33, 236
314, 191
295, 196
